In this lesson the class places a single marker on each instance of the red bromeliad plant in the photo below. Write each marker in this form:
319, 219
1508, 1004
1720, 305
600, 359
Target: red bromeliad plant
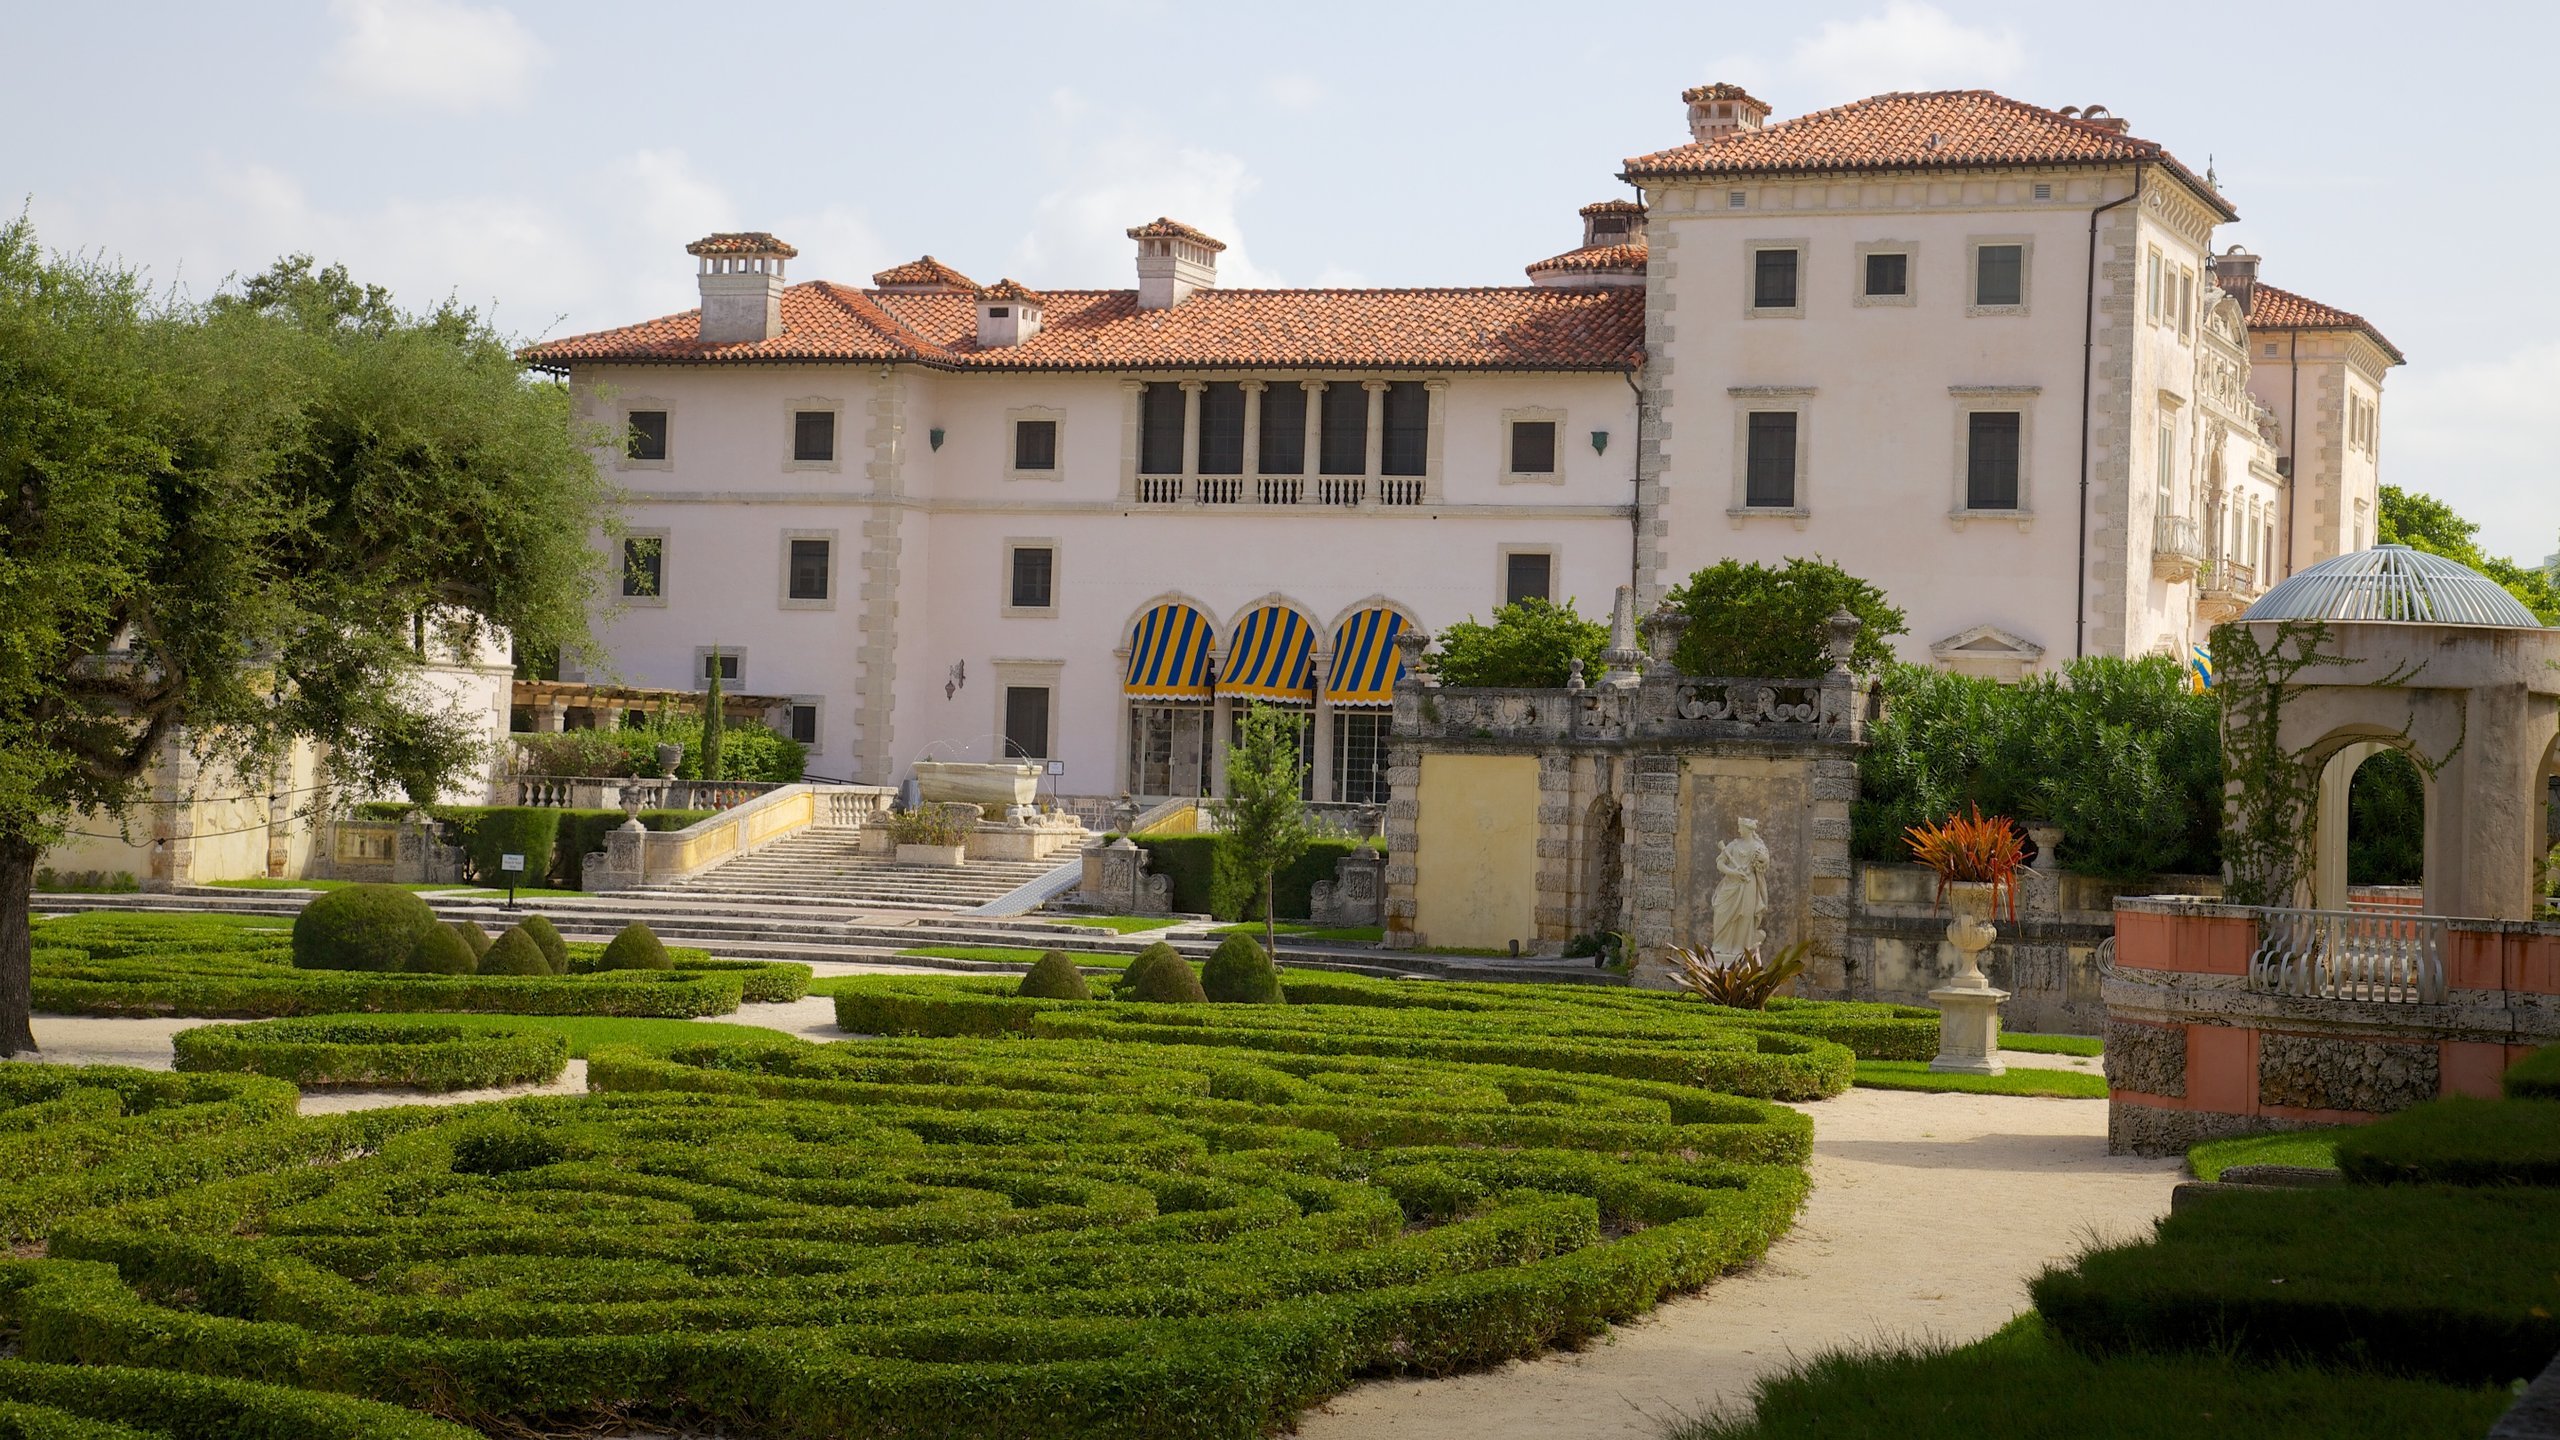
1981, 849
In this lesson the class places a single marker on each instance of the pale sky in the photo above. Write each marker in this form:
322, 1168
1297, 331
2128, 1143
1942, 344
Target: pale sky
548, 161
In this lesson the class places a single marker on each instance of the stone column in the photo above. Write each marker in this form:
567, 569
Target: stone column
1322, 667
1559, 807
1252, 464
2329, 825
1311, 468
1120, 730
1653, 849
1221, 723
552, 717
1404, 823
1191, 437
1369, 455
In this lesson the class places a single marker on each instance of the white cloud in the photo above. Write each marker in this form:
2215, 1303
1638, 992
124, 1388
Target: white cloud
1294, 91
1906, 46
1106, 184
2477, 436
440, 54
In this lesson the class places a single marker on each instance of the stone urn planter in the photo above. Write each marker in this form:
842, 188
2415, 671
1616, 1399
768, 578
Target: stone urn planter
944, 856
2048, 839
993, 788
1968, 1005
669, 757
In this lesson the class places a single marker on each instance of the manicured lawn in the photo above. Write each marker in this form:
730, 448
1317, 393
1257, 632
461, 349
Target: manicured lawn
2317, 1149
1013, 955
1352, 935
425, 887
587, 1032
2052, 1044
525, 893
1916, 1075
1118, 924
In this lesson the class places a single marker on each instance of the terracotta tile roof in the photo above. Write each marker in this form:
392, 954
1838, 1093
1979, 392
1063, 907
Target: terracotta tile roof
1721, 90
1930, 130
925, 272
1010, 289
740, 242
2274, 309
1506, 328
1610, 207
1161, 228
1626, 256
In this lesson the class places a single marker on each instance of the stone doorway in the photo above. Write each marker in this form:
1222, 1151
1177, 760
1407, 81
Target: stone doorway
1604, 846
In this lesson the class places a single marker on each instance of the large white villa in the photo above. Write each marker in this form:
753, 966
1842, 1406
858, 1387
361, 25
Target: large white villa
1979, 352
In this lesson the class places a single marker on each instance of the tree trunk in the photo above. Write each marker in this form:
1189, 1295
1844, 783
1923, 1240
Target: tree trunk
17, 945
1270, 918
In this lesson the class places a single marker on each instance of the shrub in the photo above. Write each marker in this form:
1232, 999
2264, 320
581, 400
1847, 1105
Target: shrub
390, 1052
116, 1402
2457, 1141
1055, 977
927, 825
2535, 1077
1748, 619
1160, 974
1744, 982
1531, 644
499, 831
515, 953
93, 882
474, 936
77, 1136
1240, 973
635, 948
1191, 863
547, 936
442, 951
363, 927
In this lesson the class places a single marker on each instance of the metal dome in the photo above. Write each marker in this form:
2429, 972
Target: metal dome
2393, 582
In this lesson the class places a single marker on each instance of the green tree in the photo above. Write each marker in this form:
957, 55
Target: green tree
1263, 823
1530, 644
715, 719
244, 523
2423, 522
1748, 619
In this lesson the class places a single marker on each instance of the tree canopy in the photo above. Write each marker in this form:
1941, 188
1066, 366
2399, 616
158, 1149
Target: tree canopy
1263, 823
237, 524
1530, 644
1749, 619
2423, 522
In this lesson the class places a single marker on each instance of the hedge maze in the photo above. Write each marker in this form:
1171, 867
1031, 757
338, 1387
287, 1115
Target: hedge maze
376, 1052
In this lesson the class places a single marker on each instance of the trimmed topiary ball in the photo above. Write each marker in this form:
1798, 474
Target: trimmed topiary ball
515, 954
442, 951
1240, 973
1160, 974
473, 936
363, 927
544, 935
1055, 977
636, 948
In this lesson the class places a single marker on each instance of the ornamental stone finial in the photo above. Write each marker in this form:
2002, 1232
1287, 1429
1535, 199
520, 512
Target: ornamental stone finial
1662, 631
1626, 662
1844, 628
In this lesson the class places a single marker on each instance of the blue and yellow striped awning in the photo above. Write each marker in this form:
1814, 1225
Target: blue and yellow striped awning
1365, 663
1272, 657
1169, 655
2199, 667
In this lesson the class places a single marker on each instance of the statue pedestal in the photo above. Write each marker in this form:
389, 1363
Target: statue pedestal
1968, 1030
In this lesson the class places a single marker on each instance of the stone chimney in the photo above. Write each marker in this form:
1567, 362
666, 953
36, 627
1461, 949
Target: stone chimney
1719, 110
1173, 261
741, 286
2236, 271
1008, 314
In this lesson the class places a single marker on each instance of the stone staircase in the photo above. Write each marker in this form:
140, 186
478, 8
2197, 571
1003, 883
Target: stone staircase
825, 868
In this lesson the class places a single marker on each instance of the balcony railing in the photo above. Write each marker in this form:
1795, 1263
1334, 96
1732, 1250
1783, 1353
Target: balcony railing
2175, 547
2226, 574
2376, 956
1284, 491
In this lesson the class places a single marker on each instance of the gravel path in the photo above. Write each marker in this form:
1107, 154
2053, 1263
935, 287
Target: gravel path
1928, 1216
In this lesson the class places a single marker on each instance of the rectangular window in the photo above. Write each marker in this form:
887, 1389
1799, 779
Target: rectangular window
1033, 565
1404, 435
813, 436
1770, 475
1284, 430
2168, 464
1345, 441
1160, 429
1360, 757
2186, 302
809, 569
1889, 275
2151, 288
1222, 428
1533, 447
1528, 577
2000, 275
1991, 461
1773, 279
727, 660
647, 439
644, 566
804, 724
1026, 722
1035, 444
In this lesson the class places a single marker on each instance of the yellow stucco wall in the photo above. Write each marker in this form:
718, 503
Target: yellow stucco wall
1477, 883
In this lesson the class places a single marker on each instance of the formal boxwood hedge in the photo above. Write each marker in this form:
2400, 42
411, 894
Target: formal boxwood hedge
376, 1052
122, 963
2457, 1141
2536, 1076
1191, 862
1803, 1050
936, 1238
70, 1135
79, 1402
363, 927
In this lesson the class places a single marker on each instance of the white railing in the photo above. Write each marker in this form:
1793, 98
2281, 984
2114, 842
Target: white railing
1400, 490
2370, 955
849, 808
1221, 489
2176, 535
1160, 489
1340, 489
1279, 489
2225, 573
1285, 492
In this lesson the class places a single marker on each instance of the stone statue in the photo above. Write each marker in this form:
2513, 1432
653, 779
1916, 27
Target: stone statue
1742, 892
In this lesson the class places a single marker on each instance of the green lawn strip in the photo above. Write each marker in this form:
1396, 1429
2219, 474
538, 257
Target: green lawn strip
1015, 955
1118, 924
483, 892
424, 887
2313, 1149
2052, 1044
2457, 1285
1352, 935
2458, 1141
2536, 1076
1916, 1075
588, 1032
2020, 1384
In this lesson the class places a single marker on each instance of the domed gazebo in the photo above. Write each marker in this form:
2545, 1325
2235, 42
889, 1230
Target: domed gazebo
2392, 647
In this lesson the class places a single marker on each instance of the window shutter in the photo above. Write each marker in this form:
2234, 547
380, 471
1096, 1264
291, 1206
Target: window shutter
1160, 428
1770, 471
813, 436
1035, 445
1404, 432
1533, 447
1284, 429
1529, 577
1222, 428
1346, 428
1991, 461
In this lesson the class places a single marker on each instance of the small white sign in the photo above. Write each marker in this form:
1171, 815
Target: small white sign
511, 862
1057, 767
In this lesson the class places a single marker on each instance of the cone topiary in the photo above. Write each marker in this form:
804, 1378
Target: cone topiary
1055, 977
1240, 973
363, 927
515, 953
1161, 975
473, 936
442, 951
636, 948
555, 950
